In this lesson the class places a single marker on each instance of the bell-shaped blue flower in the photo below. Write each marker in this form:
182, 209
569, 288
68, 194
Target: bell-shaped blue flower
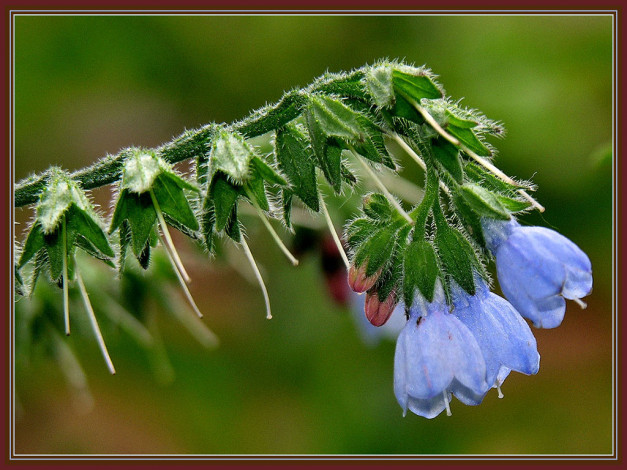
537, 269
504, 337
436, 356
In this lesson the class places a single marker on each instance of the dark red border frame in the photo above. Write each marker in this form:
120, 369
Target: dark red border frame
328, 7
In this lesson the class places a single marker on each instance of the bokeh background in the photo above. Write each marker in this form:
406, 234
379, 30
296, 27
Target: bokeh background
305, 382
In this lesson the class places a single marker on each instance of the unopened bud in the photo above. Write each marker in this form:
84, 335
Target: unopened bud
378, 312
358, 280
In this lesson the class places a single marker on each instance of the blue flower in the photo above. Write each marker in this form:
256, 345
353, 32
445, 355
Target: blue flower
436, 356
537, 269
504, 337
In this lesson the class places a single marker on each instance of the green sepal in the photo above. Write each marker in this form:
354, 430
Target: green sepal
469, 218
34, 243
489, 181
403, 109
54, 248
457, 256
377, 207
336, 119
231, 154
371, 145
141, 215
377, 250
513, 205
420, 271
286, 199
460, 122
172, 200
80, 224
90, 249
329, 162
347, 176
447, 155
255, 188
357, 231
208, 222
378, 82
293, 157
469, 139
267, 172
416, 87
391, 279
224, 196
483, 202
232, 229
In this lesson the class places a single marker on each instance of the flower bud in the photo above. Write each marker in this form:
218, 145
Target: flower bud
358, 280
378, 312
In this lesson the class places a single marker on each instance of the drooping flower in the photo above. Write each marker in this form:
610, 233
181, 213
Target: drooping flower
504, 337
436, 356
537, 269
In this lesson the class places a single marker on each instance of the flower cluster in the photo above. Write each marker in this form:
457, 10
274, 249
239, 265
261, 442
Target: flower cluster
464, 344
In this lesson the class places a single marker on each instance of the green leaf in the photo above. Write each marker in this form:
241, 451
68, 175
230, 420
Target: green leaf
483, 202
420, 270
232, 155
459, 122
469, 139
415, 86
447, 155
293, 156
34, 243
224, 195
457, 257
83, 225
267, 172
173, 202
489, 181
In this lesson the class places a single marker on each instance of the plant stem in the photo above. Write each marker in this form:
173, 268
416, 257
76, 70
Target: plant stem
93, 321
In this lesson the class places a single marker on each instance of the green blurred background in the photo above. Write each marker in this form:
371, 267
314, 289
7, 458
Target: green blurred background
305, 382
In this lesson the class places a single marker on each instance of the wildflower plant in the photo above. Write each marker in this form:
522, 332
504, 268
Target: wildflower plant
421, 254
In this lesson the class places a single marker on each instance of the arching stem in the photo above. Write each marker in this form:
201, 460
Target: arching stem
253, 264
168, 239
179, 276
93, 321
336, 239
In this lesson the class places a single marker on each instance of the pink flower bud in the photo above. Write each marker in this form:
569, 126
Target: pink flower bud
358, 280
378, 312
